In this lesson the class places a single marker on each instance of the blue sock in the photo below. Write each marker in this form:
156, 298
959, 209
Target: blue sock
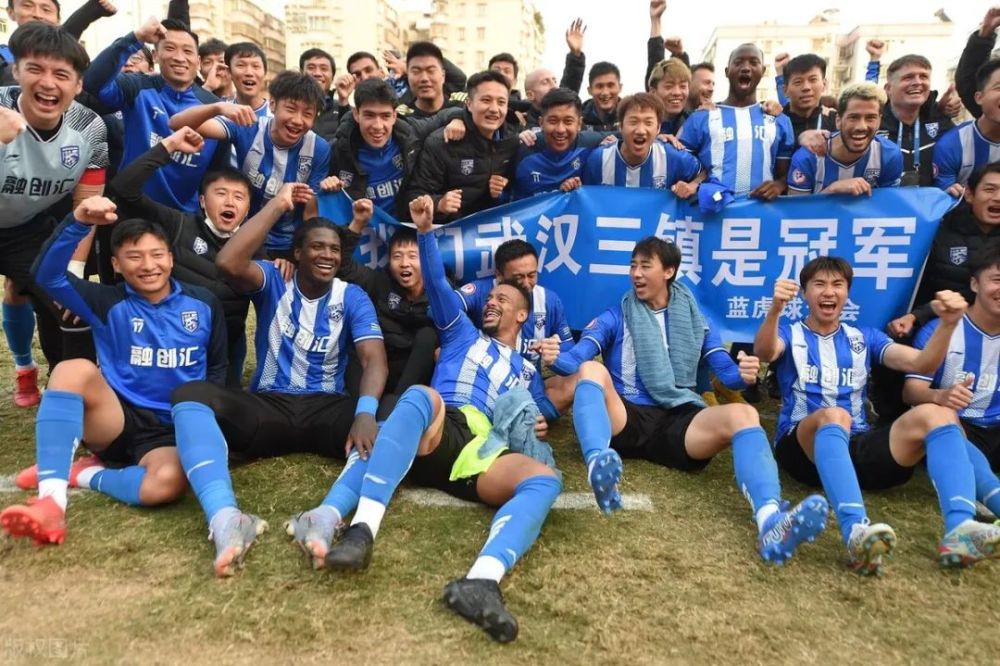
19, 328
58, 429
836, 471
987, 483
517, 524
590, 419
346, 490
756, 471
204, 456
122, 484
952, 475
396, 445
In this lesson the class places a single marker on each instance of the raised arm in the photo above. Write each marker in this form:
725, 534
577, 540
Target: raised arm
88, 13
950, 307
976, 52
103, 78
445, 304
576, 60
205, 119
768, 345
350, 270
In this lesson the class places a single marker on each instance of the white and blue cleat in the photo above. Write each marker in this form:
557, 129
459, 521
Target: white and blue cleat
969, 543
785, 530
605, 473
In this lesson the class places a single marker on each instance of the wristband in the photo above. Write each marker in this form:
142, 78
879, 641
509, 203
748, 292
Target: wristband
366, 405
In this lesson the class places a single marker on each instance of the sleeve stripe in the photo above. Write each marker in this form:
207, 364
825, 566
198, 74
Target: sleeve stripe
881, 355
368, 337
594, 340
921, 377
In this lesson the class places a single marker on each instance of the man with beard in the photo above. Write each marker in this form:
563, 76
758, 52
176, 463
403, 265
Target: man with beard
738, 143
466, 176
975, 143
247, 66
297, 402
702, 86
823, 436
437, 429
271, 151
147, 103
856, 160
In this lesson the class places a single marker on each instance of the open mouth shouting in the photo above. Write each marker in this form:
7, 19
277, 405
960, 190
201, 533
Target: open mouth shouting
491, 315
46, 103
827, 307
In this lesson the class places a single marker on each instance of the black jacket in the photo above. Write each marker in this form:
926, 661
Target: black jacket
977, 51
344, 159
466, 165
958, 239
399, 317
816, 120
330, 117
193, 244
656, 52
933, 124
594, 120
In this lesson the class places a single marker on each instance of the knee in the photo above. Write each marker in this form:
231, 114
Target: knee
200, 391
929, 416
163, 484
742, 416
73, 375
594, 371
834, 416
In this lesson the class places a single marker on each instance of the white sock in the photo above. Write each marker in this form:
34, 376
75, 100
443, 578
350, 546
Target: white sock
765, 512
26, 367
86, 475
54, 488
487, 568
370, 513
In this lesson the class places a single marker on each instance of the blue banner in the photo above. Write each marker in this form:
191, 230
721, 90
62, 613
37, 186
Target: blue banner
731, 259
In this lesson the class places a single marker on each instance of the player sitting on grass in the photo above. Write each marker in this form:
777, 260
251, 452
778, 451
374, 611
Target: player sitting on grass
440, 431
646, 406
823, 435
967, 381
297, 402
152, 334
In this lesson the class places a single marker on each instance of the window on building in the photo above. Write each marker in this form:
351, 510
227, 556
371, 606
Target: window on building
481, 9
461, 34
480, 33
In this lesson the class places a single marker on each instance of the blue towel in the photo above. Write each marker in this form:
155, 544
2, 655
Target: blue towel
713, 196
667, 376
514, 416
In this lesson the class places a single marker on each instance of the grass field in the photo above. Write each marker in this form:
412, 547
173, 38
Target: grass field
679, 584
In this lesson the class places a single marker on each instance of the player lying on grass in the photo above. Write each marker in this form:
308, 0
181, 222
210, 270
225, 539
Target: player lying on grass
823, 436
152, 335
440, 430
642, 403
296, 401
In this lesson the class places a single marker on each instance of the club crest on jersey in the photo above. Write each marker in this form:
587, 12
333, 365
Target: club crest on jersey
798, 177
591, 325
200, 246
871, 175
336, 312
397, 161
576, 164
189, 320
659, 182
539, 320
465, 166
958, 255
70, 156
305, 166
346, 177
932, 129
857, 344
469, 288
394, 301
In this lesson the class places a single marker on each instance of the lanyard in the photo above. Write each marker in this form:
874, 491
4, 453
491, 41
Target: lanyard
916, 142
819, 120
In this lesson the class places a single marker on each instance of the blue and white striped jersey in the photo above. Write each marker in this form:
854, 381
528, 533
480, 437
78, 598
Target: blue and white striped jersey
881, 165
301, 343
269, 167
664, 166
971, 351
817, 371
739, 146
959, 152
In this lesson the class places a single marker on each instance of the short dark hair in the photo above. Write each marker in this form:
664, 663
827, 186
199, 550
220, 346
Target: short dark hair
667, 252
904, 61
824, 264
374, 91
10, 5
402, 236
801, 64
148, 55
641, 101
703, 65
510, 250
602, 68
211, 46
986, 257
421, 49
560, 97
984, 73
480, 78
503, 57
360, 55
744, 45
131, 230
244, 50
313, 223
525, 294
226, 173
309, 54
41, 39
976, 176
297, 87
174, 25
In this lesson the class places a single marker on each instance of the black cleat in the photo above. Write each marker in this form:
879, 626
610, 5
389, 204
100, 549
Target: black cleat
481, 602
354, 550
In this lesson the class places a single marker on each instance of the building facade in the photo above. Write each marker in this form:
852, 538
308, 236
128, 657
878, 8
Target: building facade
341, 27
